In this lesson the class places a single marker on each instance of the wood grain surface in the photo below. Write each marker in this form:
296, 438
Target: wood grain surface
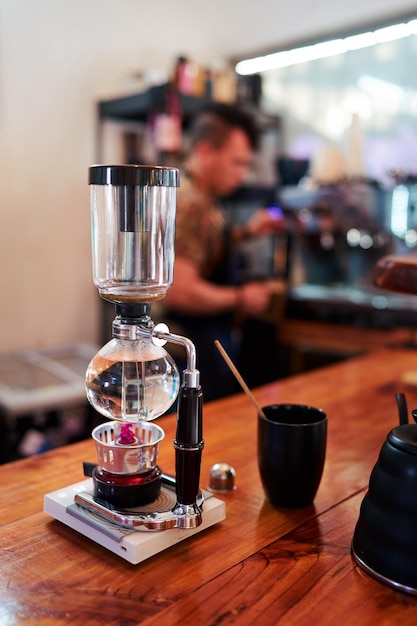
259, 566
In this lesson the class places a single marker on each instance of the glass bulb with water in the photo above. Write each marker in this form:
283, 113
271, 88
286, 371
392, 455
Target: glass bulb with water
132, 380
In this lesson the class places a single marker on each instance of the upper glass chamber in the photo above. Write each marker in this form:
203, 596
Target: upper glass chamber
133, 230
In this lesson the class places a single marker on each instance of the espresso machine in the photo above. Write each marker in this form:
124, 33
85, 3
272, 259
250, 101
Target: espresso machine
132, 380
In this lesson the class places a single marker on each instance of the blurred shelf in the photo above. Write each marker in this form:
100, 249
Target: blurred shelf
136, 107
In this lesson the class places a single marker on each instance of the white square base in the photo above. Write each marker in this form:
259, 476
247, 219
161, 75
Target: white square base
134, 546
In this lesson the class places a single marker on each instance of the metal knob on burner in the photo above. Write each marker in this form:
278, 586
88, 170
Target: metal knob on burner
222, 477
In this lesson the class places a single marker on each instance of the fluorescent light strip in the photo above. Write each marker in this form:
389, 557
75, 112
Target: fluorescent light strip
325, 49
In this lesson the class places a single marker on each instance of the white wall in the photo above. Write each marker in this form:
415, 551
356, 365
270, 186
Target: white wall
57, 58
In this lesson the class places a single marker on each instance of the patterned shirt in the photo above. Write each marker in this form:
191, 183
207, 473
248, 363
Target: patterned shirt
200, 228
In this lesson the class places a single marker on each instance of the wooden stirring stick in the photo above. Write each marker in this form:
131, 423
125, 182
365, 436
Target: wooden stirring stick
238, 377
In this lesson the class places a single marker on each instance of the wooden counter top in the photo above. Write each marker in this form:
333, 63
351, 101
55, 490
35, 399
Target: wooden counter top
259, 566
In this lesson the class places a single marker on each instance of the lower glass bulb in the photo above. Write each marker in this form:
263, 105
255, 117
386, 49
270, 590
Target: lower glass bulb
132, 380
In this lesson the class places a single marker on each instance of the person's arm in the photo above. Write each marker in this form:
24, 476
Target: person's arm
193, 295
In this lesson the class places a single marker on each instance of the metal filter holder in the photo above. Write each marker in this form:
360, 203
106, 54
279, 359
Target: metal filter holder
134, 458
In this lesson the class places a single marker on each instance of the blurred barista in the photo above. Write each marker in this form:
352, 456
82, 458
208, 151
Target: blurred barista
202, 301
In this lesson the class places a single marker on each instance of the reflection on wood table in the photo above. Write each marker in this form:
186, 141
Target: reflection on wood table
260, 565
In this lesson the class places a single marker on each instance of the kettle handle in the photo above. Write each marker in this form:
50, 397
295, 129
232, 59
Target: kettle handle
402, 408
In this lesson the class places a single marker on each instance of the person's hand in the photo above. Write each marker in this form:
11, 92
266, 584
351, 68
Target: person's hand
254, 298
264, 223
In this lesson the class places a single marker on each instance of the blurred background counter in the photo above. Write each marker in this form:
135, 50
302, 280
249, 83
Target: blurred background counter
325, 306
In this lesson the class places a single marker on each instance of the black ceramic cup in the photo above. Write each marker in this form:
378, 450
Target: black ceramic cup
291, 453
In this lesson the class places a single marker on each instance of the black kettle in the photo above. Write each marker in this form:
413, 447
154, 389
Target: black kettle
385, 537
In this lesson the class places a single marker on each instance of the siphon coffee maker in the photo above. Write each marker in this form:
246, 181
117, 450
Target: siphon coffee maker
132, 380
